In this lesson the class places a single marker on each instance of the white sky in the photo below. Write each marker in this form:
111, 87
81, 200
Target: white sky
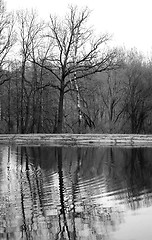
130, 21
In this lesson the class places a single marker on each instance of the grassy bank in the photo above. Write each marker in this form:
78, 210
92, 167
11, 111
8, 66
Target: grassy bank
77, 139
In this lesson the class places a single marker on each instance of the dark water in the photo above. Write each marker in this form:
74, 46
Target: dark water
75, 193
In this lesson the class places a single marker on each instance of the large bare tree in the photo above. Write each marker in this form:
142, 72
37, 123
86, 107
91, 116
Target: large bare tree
73, 52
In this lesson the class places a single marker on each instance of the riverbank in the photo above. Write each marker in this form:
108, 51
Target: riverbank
77, 139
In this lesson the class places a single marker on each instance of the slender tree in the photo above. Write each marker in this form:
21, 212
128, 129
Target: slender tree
29, 31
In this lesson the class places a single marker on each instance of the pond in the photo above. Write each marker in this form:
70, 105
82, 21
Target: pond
75, 193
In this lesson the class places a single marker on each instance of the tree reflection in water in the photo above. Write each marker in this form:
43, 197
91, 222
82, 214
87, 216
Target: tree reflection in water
71, 192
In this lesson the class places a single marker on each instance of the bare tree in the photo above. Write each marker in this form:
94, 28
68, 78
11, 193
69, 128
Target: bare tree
73, 53
29, 38
7, 40
7, 34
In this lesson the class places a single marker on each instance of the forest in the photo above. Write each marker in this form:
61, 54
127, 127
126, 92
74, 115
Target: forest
58, 76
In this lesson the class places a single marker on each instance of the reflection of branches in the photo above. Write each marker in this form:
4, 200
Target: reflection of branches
61, 189
35, 188
6, 226
24, 227
30, 187
39, 182
88, 179
74, 187
129, 174
89, 163
137, 176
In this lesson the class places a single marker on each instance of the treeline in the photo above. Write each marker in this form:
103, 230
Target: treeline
59, 77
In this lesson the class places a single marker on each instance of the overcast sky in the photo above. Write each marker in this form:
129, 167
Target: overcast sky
129, 21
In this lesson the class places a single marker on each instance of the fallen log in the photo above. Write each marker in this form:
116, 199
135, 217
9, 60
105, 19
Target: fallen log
77, 139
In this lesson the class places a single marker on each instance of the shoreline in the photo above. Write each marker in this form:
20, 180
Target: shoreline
136, 140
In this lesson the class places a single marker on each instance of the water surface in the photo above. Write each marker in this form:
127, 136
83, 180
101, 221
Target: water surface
75, 193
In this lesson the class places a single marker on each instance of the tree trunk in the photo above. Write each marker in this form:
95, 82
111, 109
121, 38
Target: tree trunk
60, 108
60, 111
40, 116
22, 99
9, 107
17, 107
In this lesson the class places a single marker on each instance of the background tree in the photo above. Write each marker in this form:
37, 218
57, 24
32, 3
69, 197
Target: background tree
112, 94
7, 40
138, 93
